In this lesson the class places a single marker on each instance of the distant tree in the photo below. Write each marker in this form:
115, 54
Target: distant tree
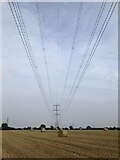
66, 128
51, 127
35, 128
114, 128
58, 127
71, 127
88, 127
43, 126
11, 128
19, 129
4, 126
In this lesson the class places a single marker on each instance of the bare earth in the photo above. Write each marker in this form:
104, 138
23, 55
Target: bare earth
78, 144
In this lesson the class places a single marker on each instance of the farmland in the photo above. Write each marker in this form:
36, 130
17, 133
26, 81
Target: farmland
78, 144
0, 144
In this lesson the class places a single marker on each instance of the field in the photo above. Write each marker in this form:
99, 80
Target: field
78, 144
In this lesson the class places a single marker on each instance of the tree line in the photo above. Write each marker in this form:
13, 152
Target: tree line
4, 126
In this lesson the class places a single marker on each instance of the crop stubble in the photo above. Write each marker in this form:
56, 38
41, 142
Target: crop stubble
78, 144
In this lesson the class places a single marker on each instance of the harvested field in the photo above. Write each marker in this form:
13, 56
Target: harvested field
0, 144
78, 144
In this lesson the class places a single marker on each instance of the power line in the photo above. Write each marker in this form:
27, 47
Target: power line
73, 46
105, 23
87, 48
43, 47
94, 47
18, 18
17, 15
57, 53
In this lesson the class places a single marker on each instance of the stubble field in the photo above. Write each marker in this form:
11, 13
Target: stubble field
78, 144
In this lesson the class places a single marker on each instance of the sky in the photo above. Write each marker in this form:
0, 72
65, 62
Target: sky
1, 78
96, 100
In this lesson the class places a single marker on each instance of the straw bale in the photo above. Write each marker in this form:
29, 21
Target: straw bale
62, 133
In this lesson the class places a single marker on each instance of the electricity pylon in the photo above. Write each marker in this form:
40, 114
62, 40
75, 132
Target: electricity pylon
56, 110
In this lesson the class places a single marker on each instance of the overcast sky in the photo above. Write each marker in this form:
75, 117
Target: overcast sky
95, 102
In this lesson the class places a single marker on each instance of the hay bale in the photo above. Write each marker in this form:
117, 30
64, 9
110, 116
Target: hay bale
62, 133
31, 129
105, 129
42, 129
